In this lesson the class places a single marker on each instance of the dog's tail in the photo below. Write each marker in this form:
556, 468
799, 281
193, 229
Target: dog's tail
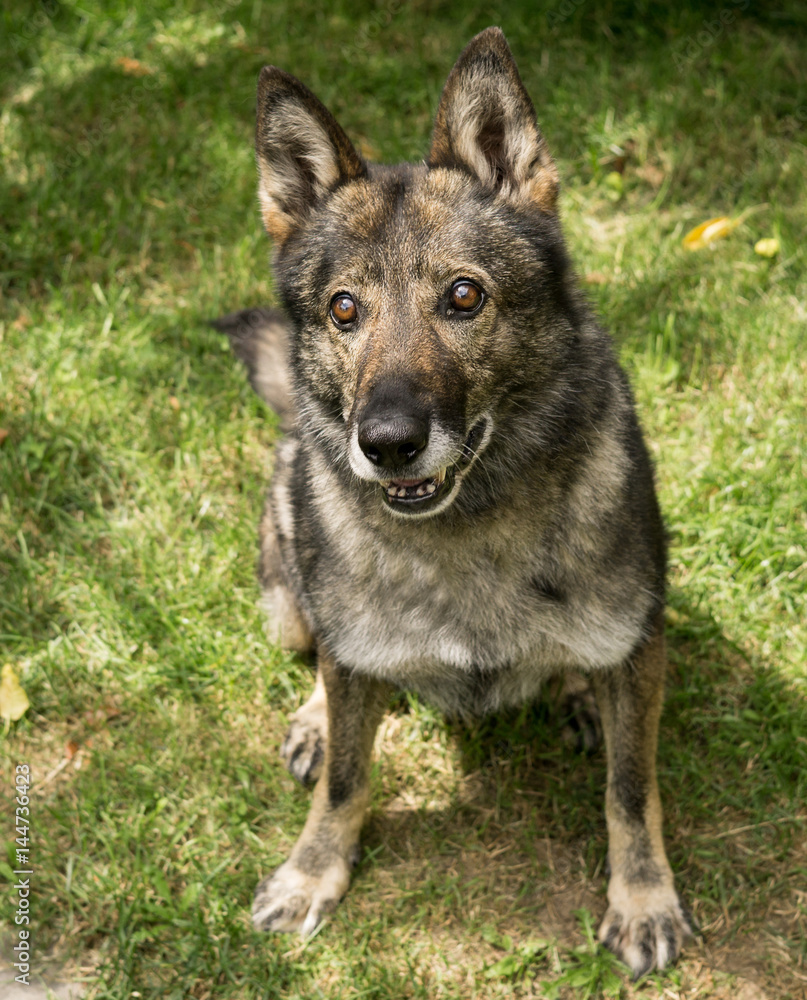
260, 338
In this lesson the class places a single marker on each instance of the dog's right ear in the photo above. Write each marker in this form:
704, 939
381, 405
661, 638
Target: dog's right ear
302, 152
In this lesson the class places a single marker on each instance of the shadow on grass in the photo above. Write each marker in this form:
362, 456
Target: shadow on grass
525, 826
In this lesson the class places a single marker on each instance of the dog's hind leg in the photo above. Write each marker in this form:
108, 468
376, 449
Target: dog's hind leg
304, 746
286, 625
315, 877
572, 696
645, 924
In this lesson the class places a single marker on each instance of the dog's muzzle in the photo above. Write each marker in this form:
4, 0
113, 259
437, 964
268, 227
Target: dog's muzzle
425, 495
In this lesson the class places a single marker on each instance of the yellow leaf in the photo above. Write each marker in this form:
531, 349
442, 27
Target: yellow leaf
715, 229
133, 66
707, 232
13, 700
767, 248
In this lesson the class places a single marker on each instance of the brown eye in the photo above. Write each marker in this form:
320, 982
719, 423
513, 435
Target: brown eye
343, 309
465, 296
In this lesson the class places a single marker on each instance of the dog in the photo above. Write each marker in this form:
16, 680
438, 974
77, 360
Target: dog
463, 504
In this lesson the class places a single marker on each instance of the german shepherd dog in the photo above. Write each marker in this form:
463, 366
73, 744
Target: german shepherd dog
463, 505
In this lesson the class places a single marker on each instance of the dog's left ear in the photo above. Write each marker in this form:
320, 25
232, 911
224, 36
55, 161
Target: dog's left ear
486, 125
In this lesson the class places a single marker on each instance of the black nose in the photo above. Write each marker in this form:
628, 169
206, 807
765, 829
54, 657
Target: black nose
393, 441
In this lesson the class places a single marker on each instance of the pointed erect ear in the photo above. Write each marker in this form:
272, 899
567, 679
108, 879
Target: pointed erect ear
486, 125
302, 152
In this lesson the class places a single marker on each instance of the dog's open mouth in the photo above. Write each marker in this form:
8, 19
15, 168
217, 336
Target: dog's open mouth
415, 495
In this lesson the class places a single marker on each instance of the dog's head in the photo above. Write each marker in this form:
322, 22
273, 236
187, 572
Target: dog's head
418, 295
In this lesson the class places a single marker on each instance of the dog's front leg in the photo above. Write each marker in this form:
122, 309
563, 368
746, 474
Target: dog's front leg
645, 924
313, 880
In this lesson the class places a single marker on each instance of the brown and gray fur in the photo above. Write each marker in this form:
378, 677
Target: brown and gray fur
537, 547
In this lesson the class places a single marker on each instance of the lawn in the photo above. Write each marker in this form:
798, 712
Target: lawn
134, 458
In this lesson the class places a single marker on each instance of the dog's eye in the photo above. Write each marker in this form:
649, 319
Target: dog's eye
465, 297
343, 309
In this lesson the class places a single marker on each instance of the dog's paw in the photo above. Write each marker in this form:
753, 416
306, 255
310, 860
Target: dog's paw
583, 728
303, 749
646, 939
292, 900
577, 705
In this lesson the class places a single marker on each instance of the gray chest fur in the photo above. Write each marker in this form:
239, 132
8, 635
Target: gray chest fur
461, 615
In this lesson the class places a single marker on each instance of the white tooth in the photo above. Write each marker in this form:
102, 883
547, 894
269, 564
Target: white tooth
431, 487
402, 492
421, 491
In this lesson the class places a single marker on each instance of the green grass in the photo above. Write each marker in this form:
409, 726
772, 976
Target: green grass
135, 460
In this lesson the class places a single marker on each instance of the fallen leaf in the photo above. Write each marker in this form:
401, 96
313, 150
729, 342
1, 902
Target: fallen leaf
71, 749
767, 247
133, 67
13, 700
707, 232
596, 278
173, 402
3, 435
715, 229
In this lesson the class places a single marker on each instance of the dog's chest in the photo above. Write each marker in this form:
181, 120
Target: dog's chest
463, 619
474, 616
404, 603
